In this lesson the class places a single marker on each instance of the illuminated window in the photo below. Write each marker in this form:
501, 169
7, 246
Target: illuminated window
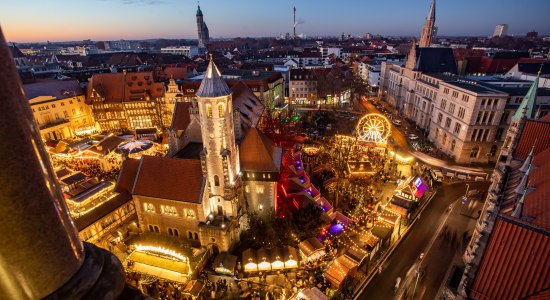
221, 110
168, 210
148, 207
260, 189
208, 110
189, 213
216, 180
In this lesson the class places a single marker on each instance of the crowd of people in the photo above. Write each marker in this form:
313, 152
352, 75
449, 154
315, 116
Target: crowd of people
157, 288
89, 167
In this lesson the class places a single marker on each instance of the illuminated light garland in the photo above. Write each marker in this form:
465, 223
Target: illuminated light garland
161, 250
373, 128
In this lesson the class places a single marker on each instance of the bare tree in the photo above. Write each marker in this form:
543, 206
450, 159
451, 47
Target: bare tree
342, 150
281, 128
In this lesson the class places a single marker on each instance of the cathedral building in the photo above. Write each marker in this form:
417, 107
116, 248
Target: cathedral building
513, 228
202, 29
201, 191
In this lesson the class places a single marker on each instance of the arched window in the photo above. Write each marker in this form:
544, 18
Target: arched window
221, 110
474, 152
176, 232
190, 235
151, 228
196, 236
170, 231
216, 180
444, 139
208, 111
453, 144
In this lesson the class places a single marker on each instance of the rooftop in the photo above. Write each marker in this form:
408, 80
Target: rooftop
169, 178
59, 89
258, 153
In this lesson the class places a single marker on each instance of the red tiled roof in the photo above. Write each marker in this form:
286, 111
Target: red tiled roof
117, 87
170, 178
535, 132
127, 175
250, 107
181, 118
257, 153
536, 207
515, 265
178, 73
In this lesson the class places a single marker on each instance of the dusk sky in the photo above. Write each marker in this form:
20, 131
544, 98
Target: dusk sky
59, 20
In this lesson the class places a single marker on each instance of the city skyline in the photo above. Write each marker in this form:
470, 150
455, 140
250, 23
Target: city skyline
146, 19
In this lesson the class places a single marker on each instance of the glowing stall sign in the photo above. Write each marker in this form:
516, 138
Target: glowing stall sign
419, 187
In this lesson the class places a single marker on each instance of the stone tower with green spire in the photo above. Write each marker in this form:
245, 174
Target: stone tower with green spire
202, 29
526, 110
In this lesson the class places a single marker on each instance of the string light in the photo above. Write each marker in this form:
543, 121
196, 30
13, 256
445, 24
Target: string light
161, 250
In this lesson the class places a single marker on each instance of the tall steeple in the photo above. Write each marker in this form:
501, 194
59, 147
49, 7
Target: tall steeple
220, 155
428, 32
213, 84
527, 107
202, 29
526, 110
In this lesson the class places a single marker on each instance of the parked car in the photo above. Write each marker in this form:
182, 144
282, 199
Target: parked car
396, 122
436, 175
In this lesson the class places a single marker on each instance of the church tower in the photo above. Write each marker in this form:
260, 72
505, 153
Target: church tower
487, 219
526, 110
428, 32
220, 155
202, 29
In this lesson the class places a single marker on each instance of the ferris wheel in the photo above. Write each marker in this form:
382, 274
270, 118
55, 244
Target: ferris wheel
373, 128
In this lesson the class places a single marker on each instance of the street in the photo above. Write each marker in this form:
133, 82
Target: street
397, 135
429, 236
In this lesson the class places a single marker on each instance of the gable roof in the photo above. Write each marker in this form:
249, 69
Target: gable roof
181, 118
119, 87
127, 175
15, 52
170, 178
435, 60
535, 132
59, 89
106, 145
101, 211
248, 104
516, 263
258, 153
